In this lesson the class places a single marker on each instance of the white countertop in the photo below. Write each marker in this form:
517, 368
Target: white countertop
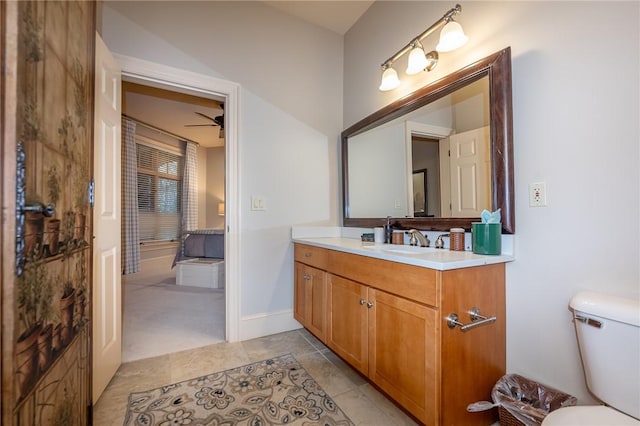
440, 259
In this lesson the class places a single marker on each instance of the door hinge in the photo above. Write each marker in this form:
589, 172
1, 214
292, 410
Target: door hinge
92, 192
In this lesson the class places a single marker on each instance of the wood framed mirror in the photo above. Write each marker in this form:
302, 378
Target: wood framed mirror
495, 72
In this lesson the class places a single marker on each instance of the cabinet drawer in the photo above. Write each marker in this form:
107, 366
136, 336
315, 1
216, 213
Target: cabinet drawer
310, 255
408, 281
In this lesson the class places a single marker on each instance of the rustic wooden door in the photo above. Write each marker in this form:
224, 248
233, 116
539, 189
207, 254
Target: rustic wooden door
47, 149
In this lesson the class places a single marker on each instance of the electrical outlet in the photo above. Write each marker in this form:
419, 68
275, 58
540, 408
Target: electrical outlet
537, 194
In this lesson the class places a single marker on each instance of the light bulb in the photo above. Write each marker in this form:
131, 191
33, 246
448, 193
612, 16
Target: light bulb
417, 61
389, 80
451, 37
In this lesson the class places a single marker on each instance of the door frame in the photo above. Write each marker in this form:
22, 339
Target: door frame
179, 80
412, 128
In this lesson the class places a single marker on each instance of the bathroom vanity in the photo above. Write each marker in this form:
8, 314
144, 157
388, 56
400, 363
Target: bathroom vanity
396, 314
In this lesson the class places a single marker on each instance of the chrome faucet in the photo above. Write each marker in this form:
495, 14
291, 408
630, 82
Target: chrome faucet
439, 241
417, 236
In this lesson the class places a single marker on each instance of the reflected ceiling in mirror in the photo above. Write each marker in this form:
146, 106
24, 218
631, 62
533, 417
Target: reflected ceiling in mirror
383, 154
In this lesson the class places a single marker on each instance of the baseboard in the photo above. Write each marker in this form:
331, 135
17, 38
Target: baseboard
261, 325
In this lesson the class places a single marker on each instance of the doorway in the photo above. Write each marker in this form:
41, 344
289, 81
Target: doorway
160, 76
168, 306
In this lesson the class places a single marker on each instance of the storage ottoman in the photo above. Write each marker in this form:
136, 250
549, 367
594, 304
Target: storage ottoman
208, 273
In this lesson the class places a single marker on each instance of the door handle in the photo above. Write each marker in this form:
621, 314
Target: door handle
22, 208
46, 210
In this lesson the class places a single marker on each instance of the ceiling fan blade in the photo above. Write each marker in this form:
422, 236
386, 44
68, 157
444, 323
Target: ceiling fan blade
205, 116
200, 125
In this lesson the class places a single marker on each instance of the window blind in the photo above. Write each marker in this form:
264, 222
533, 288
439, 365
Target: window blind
159, 193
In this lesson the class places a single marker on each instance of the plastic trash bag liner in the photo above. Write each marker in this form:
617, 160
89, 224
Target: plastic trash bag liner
526, 400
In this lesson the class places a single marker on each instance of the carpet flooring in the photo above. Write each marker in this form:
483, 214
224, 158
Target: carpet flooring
161, 317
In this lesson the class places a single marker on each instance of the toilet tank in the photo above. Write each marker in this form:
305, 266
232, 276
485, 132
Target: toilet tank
608, 331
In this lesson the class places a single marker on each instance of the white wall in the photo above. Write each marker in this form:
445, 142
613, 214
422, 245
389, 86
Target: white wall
378, 172
576, 127
289, 125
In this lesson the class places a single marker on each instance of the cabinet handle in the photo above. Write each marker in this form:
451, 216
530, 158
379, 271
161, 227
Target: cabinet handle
307, 277
369, 305
362, 302
307, 254
476, 317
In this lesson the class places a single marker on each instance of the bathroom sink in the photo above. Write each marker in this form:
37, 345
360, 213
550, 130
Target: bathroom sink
401, 249
409, 250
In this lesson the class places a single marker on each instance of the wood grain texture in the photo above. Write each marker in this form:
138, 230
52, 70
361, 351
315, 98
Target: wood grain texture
8, 136
412, 282
310, 255
401, 342
348, 332
403, 353
472, 361
310, 299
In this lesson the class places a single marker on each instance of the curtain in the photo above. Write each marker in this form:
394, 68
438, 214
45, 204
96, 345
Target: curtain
130, 235
190, 189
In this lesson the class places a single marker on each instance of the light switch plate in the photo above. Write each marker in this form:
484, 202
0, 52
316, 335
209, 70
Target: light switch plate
258, 203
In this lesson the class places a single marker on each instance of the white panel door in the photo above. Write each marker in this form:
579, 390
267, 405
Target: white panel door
107, 297
470, 170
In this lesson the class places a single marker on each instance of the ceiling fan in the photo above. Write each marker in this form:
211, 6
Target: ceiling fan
216, 121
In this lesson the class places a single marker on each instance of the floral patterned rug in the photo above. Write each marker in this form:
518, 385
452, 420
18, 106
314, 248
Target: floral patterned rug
275, 391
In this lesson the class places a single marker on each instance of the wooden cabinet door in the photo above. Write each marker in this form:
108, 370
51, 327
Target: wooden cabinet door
474, 360
347, 333
316, 302
403, 353
310, 299
300, 296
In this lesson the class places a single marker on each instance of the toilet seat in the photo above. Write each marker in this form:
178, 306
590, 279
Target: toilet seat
588, 415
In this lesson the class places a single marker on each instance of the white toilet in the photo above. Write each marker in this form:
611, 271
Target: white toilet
608, 330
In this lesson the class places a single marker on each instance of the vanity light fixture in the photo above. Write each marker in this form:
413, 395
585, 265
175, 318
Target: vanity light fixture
451, 37
389, 78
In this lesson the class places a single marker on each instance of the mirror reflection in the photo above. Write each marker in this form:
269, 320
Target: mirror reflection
431, 162
435, 158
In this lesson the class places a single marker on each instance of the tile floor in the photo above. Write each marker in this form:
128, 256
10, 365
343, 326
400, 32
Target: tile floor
359, 400
161, 317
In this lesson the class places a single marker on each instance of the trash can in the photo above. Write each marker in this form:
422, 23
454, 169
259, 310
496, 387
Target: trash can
522, 401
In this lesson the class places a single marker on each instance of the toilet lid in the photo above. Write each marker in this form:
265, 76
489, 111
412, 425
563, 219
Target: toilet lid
588, 415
